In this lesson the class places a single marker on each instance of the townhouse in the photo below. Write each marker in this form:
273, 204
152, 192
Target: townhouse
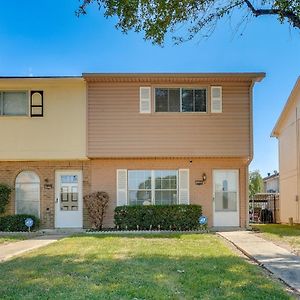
286, 130
145, 139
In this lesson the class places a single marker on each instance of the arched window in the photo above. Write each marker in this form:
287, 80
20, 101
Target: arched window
28, 193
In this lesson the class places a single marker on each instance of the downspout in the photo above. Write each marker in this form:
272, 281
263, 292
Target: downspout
251, 149
298, 167
251, 122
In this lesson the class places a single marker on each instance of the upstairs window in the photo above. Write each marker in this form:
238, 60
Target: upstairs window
180, 100
14, 103
193, 100
37, 104
167, 100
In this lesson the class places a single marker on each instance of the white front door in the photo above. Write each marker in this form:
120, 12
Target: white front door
226, 198
68, 199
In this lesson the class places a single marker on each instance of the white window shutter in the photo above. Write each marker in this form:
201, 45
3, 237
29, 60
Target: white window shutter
184, 182
216, 99
121, 187
145, 100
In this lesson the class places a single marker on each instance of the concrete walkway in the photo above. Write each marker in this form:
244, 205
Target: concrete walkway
281, 262
7, 251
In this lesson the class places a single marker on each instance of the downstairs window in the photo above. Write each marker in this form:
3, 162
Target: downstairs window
159, 187
27, 189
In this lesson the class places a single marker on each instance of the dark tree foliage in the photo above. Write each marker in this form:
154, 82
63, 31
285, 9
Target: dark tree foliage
256, 183
5, 192
157, 17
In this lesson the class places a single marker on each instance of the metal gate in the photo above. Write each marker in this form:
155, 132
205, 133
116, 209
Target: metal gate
264, 208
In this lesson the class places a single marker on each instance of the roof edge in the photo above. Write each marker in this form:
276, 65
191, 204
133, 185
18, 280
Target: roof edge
256, 76
41, 77
271, 176
285, 109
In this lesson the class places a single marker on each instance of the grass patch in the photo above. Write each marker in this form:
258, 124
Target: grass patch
5, 239
189, 266
287, 234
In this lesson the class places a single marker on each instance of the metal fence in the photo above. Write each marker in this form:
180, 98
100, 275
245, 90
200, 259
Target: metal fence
264, 208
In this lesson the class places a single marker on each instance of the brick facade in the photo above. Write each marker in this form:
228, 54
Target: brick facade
100, 175
46, 171
104, 178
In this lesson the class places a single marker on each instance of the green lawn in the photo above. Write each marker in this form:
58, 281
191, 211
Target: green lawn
281, 233
4, 239
136, 267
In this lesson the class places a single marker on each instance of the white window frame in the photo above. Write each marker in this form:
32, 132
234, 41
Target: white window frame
15, 186
154, 189
153, 185
14, 91
194, 88
142, 190
180, 91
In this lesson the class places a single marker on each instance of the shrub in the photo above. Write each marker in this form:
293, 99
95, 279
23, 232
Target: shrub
165, 217
96, 204
17, 223
5, 192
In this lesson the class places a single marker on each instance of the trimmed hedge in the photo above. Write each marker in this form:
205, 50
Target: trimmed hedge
164, 217
17, 223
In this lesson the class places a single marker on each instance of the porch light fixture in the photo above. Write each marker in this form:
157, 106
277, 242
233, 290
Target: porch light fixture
202, 180
47, 185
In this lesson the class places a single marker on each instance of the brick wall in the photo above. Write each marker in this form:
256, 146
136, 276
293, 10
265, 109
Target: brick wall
100, 175
104, 178
46, 171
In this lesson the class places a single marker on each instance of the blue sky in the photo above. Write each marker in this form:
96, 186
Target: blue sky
46, 38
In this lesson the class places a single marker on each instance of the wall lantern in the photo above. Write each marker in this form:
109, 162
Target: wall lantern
202, 180
48, 185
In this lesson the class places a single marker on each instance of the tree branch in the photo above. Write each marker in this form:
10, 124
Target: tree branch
293, 18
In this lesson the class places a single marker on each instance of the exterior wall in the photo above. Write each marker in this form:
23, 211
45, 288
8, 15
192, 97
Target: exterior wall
100, 174
271, 185
46, 171
289, 145
117, 129
60, 134
103, 172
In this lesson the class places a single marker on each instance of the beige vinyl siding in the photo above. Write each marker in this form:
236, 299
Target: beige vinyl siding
289, 145
117, 129
59, 135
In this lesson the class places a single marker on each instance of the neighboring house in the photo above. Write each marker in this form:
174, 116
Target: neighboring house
287, 132
43, 131
271, 183
143, 138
